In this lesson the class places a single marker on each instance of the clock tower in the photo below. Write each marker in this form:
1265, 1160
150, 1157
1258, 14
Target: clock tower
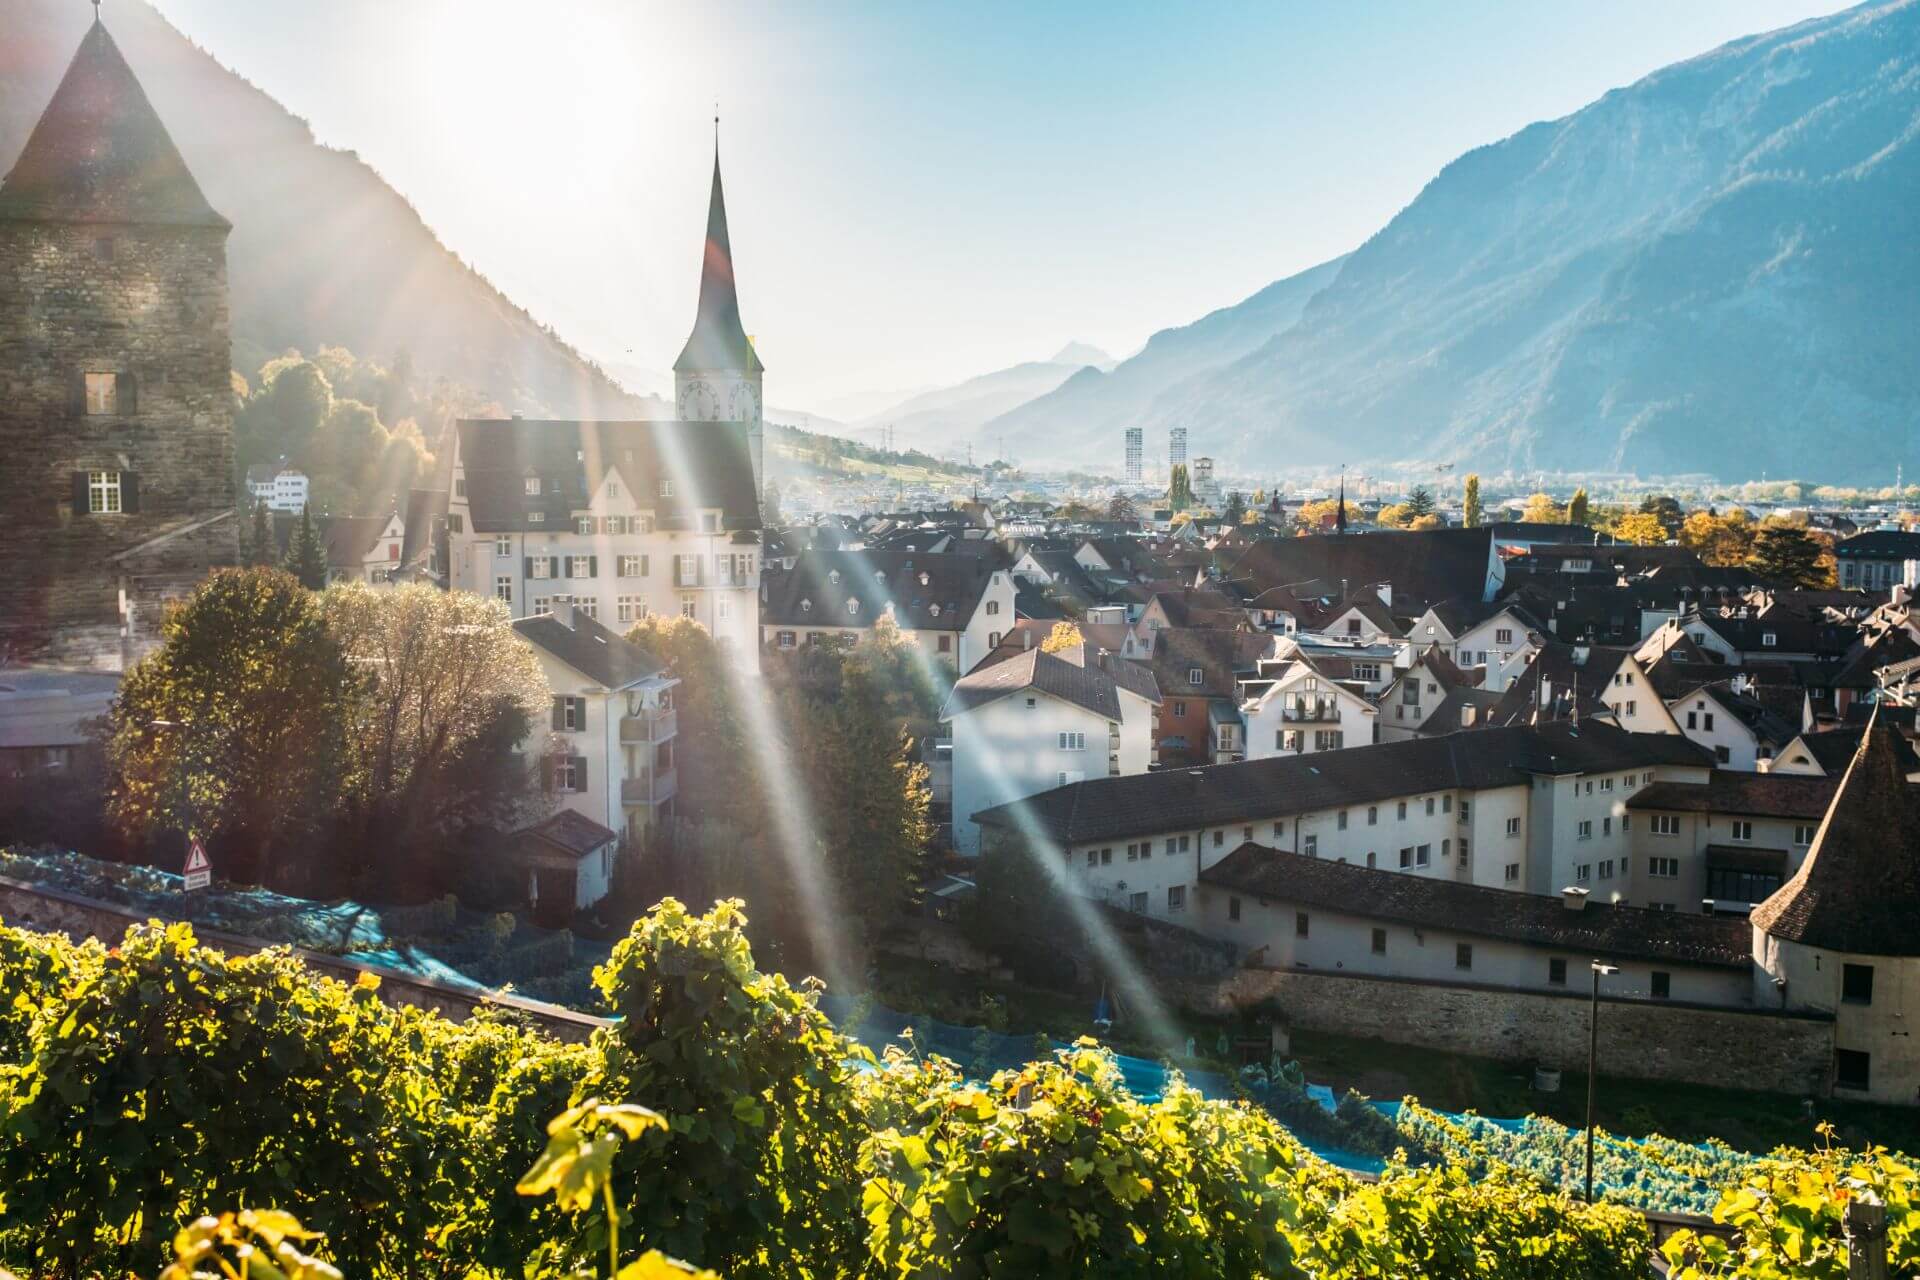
717, 377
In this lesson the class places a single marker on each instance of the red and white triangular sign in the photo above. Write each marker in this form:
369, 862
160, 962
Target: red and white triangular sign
196, 858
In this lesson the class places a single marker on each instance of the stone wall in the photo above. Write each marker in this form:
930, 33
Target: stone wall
1647, 1039
149, 302
49, 910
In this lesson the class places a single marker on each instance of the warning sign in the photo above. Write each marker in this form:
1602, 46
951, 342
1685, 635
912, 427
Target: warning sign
198, 871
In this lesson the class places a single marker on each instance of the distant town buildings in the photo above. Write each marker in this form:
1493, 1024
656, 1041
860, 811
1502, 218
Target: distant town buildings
278, 486
1136, 438
1177, 447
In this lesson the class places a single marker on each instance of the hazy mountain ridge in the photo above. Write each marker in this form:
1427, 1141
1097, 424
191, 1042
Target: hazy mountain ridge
939, 418
1710, 270
323, 250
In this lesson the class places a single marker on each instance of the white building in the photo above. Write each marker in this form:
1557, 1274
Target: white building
1034, 721
280, 486
955, 607
1734, 840
1502, 638
1304, 710
624, 519
606, 750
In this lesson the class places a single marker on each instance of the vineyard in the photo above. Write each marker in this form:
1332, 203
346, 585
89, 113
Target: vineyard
166, 1107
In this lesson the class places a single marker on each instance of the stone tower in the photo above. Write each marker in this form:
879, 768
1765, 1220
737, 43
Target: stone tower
116, 400
717, 377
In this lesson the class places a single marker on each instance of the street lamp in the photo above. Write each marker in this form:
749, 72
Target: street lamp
1593, 1060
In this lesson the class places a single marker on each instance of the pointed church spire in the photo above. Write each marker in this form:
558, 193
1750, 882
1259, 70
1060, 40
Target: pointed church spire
100, 154
1340, 511
719, 340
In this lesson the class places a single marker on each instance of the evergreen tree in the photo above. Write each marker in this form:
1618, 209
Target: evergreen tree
260, 544
1236, 507
1179, 488
307, 555
1787, 556
1419, 503
1473, 502
1577, 507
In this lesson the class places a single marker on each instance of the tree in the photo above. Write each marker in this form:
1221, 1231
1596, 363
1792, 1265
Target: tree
1419, 503
235, 728
1641, 528
1667, 510
1542, 509
446, 694
1120, 507
1577, 507
1472, 501
1179, 488
260, 546
1431, 520
307, 555
1397, 516
1063, 636
770, 505
1719, 540
1788, 557
1316, 515
1236, 507
716, 780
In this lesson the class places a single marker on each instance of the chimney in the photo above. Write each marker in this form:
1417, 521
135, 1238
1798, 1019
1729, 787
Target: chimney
1706, 906
563, 614
1574, 898
1026, 637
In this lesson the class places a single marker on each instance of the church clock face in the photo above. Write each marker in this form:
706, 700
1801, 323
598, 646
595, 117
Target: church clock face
744, 403
700, 403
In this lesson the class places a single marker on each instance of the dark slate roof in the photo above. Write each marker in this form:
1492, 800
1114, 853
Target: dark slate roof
606, 657
1750, 795
1791, 633
719, 341
1086, 679
426, 509
1858, 891
1540, 531
1630, 933
572, 833
1566, 674
1436, 564
1833, 749
1766, 725
1880, 544
349, 538
100, 153
1276, 786
915, 584
708, 464
1451, 715
1220, 655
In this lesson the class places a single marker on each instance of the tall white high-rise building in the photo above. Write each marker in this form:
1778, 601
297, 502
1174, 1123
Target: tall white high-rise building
1177, 447
1136, 441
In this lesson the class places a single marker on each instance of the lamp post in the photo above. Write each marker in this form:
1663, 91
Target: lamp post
1593, 1061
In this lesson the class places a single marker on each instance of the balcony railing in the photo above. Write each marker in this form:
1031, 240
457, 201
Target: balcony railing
652, 725
1311, 713
654, 787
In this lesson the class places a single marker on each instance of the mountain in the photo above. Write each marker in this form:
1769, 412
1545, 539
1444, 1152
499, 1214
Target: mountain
1712, 270
938, 419
323, 251
1084, 415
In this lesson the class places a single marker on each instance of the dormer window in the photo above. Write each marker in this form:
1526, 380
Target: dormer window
853, 606
933, 610
536, 517
806, 606
666, 488
924, 579
1769, 639
833, 576
533, 486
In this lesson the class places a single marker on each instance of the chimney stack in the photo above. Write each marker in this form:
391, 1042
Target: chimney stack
1574, 898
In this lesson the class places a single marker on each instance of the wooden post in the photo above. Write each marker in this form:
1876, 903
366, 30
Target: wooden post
1865, 1222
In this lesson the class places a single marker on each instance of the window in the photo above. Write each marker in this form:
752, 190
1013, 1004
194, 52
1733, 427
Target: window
587, 605
1557, 972
1743, 831
1606, 784
946, 644
1137, 903
1172, 844
503, 546
1803, 836
583, 525
686, 571
1340, 820
1429, 806
632, 566
582, 567
1446, 804
993, 608
1726, 884
1585, 829
1402, 815
540, 567
1664, 868
1406, 857
1179, 709
1463, 851
666, 488
569, 714
1512, 873
1176, 897
1465, 812
634, 608
709, 522
1301, 924
1851, 1069
1606, 826
1195, 675
689, 607
103, 492
1310, 845
456, 523
1379, 942
1373, 860
1662, 986
1463, 955
569, 773
103, 394
1423, 856
1327, 739
1632, 709
1666, 824
1583, 871
1073, 742
1353, 626
536, 517
1768, 639
1373, 815
1106, 857
1185, 843
616, 524
503, 588
1093, 857
533, 486
1503, 635
1513, 826
1606, 868
1856, 983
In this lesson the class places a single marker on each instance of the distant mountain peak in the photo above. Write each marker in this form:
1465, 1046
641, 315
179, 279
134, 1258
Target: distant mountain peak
1081, 353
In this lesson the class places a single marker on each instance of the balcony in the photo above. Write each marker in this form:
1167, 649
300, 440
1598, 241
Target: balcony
654, 787
652, 725
1325, 712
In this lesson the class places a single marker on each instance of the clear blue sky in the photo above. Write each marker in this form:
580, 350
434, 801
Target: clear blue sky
921, 192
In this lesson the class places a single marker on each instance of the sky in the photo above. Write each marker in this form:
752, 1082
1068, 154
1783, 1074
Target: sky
918, 193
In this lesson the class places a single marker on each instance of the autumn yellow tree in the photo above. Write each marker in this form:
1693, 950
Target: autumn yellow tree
1542, 509
1063, 636
1640, 528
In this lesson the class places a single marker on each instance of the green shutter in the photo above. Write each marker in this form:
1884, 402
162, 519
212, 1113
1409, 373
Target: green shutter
559, 715
129, 491
80, 493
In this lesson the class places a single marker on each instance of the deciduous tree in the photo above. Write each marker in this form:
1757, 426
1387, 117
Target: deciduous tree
1542, 509
1472, 502
1640, 528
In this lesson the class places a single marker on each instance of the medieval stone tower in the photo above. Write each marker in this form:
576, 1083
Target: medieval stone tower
116, 401
717, 377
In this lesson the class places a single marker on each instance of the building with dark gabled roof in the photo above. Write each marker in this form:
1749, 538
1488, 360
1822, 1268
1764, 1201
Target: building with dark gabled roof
955, 607
117, 422
1843, 935
1877, 559
1424, 567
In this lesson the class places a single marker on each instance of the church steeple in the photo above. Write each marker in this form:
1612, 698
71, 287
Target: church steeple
718, 343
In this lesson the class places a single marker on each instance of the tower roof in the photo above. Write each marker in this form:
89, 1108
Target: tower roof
100, 153
719, 340
1859, 889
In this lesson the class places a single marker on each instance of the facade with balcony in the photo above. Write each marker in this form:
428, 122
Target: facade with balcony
1303, 711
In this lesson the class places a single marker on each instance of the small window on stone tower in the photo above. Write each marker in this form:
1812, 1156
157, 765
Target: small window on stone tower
103, 394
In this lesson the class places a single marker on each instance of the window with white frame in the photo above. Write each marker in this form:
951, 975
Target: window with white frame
1743, 832
1803, 836
536, 517
542, 567
1176, 897
1583, 871
583, 525
1586, 829
1310, 845
103, 492
1512, 872
1513, 826
503, 588
503, 546
542, 606
785, 639
569, 774
1666, 824
587, 605
634, 608
1664, 868
689, 606
1073, 741
580, 566
633, 566
1195, 675
666, 488
533, 486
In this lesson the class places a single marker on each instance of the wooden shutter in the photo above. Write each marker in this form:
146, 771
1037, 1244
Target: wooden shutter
129, 491
528, 568
579, 773
593, 566
559, 715
77, 393
546, 773
124, 400
80, 494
